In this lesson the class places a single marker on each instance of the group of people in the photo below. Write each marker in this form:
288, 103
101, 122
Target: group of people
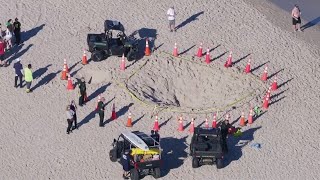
20, 73
13, 29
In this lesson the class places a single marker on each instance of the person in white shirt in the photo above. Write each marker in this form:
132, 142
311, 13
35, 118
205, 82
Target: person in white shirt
171, 17
70, 118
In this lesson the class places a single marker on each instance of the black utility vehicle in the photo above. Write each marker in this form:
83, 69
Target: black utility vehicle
113, 42
145, 153
206, 147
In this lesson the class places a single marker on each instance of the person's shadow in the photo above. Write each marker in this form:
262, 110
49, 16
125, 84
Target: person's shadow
26, 35
174, 153
311, 23
235, 145
39, 72
45, 80
124, 110
19, 53
85, 120
101, 90
189, 20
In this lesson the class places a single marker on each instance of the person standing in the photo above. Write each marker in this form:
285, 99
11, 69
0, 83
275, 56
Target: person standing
296, 19
82, 90
171, 17
2, 53
8, 35
101, 111
17, 31
19, 73
125, 162
225, 128
73, 107
28, 77
70, 119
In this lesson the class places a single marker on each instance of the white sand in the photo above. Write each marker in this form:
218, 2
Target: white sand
33, 142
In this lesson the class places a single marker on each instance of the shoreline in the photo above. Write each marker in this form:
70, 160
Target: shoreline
278, 13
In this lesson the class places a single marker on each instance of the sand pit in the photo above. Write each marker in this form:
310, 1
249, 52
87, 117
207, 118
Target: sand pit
216, 87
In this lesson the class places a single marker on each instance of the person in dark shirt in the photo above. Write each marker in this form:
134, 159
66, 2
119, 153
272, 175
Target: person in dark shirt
17, 30
101, 111
155, 135
125, 162
18, 68
73, 107
225, 126
82, 90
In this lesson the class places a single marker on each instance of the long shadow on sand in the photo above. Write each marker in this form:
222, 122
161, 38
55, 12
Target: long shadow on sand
189, 20
19, 53
101, 90
235, 145
124, 110
311, 23
45, 80
32, 32
174, 153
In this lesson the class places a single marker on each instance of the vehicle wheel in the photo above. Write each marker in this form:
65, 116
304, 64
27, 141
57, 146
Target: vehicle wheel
195, 162
156, 173
113, 155
219, 163
97, 56
131, 55
134, 174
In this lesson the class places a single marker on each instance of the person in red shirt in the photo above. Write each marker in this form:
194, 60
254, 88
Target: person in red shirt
2, 53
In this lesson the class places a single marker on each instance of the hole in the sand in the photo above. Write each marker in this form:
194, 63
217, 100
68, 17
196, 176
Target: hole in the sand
183, 84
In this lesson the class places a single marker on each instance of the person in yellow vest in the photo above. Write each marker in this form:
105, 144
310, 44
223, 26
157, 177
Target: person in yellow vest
28, 77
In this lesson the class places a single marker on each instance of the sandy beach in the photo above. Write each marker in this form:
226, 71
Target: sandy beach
34, 144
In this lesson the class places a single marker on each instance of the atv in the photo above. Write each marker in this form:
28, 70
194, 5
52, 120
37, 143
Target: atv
206, 147
113, 42
145, 153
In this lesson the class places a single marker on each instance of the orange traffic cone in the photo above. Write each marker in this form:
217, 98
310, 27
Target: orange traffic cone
248, 68
147, 51
264, 76
123, 63
214, 122
242, 120
65, 65
175, 50
192, 126
274, 85
156, 124
84, 58
69, 84
99, 99
208, 56
229, 61
64, 73
180, 128
206, 123
250, 118
114, 114
266, 102
199, 54
129, 121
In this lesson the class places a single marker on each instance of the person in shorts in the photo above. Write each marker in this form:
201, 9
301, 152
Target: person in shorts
296, 19
171, 17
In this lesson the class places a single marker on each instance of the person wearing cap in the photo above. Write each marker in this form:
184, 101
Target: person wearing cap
28, 77
73, 107
17, 30
70, 119
125, 162
2, 53
171, 17
101, 106
18, 73
296, 19
82, 90
224, 128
